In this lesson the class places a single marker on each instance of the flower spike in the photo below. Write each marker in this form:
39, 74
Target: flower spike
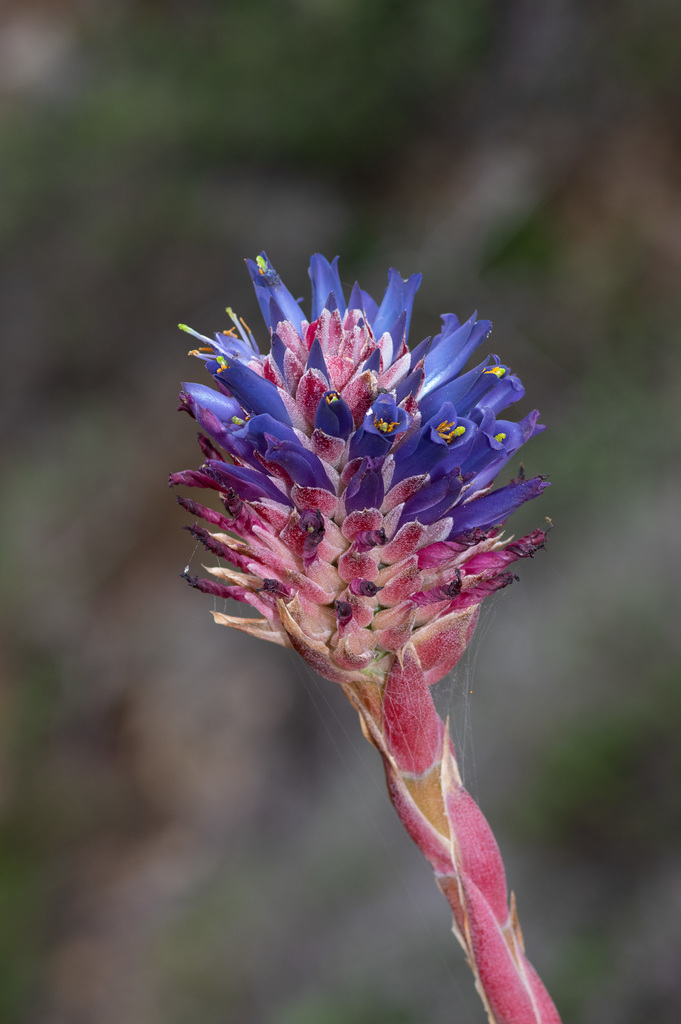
363, 524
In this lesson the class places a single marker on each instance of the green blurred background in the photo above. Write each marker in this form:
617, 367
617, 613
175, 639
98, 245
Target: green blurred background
192, 830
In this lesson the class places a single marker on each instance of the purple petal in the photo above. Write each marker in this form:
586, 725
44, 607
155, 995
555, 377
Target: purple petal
493, 509
325, 279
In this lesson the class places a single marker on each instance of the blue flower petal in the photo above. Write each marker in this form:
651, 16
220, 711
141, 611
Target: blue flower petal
420, 352
433, 501
356, 300
315, 360
234, 348
278, 353
325, 279
366, 489
508, 390
249, 484
268, 285
370, 307
363, 444
399, 296
304, 467
257, 430
254, 393
493, 509
456, 392
397, 331
452, 348
204, 397
333, 416
526, 428
373, 362
386, 419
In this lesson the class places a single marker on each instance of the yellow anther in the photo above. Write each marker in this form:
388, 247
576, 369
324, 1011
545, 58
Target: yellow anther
194, 352
238, 421
332, 396
384, 426
245, 325
230, 333
448, 431
500, 437
261, 264
498, 371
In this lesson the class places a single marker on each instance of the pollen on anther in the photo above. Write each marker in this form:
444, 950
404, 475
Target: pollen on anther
384, 426
448, 431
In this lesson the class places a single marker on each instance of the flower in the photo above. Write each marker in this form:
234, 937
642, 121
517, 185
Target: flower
357, 476
362, 522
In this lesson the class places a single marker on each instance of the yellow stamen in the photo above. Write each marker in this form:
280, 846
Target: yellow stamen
230, 333
498, 371
500, 437
384, 426
261, 264
245, 325
333, 396
448, 431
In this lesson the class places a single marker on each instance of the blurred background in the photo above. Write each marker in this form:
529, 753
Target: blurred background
192, 829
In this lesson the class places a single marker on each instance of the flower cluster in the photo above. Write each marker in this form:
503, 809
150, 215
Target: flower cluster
357, 475
361, 520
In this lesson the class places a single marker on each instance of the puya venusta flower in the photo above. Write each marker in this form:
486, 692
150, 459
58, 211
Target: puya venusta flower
361, 520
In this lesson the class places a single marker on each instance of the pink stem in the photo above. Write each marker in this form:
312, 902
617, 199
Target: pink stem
446, 824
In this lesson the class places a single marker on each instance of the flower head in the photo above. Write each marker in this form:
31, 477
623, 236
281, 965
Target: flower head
357, 476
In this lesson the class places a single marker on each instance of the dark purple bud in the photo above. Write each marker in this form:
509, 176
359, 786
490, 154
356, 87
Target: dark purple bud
453, 588
473, 537
366, 539
366, 489
443, 593
208, 586
364, 588
209, 541
343, 612
311, 523
275, 587
232, 502
527, 547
